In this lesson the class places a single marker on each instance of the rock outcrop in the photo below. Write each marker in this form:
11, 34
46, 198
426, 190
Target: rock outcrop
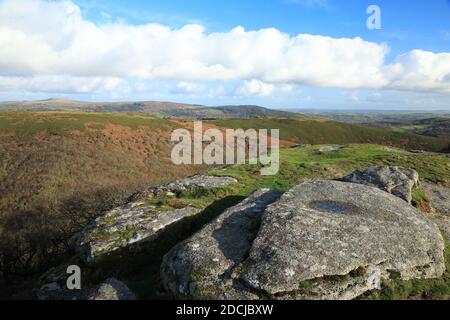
439, 197
321, 240
139, 221
126, 225
396, 180
443, 223
202, 267
193, 183
110, 289
344, 238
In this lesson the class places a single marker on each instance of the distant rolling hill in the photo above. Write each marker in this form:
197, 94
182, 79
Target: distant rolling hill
433, 124
168, 109
316, 131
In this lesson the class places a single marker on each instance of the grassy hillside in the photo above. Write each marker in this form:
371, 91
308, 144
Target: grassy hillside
158, 108
141, 273
433, 124
59, 170
310, 131
433, 127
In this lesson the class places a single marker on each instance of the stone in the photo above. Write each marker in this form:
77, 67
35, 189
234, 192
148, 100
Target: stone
49, 291
396, 180
336, 240
127, 225
139, 222
192, 183
299, 146
202, 266
111, 289
330, 148
439, 197
321, 240
443, 223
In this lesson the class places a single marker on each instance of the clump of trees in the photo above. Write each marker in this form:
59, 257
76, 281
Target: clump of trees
31, 241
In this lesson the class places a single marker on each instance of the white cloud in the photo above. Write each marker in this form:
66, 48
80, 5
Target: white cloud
421, 71
258, 88
62, 84
188, 88
40, 39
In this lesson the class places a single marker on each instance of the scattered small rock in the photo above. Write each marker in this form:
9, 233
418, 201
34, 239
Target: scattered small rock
195, 182
330, 148
299, 146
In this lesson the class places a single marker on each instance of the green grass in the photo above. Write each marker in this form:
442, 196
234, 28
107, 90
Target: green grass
409, 128
430, 289
419, 197
89, 173
310, 131
298, 164
26, 124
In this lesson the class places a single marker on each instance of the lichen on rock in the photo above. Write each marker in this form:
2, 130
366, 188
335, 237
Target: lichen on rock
110, 289
202, 267
396, 180
192, 183
127, 225
440, 198
321, 240
139, 221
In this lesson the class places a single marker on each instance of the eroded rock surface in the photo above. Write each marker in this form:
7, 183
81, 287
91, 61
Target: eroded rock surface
344, 236
202, 267
139, 221
110, 289
321, 240
439, 197
396, 180
195, 182
443, 223
126, 225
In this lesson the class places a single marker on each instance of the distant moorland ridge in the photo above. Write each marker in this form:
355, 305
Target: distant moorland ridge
168, 109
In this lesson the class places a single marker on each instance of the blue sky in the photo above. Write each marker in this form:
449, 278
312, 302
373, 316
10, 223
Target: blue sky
406, 24
405, 65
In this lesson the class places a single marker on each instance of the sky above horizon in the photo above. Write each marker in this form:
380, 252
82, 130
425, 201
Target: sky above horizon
276, 53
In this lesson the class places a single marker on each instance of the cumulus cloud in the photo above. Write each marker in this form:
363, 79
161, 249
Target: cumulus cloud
41, 39
256, 87
188, 88
63, 84
421, 71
